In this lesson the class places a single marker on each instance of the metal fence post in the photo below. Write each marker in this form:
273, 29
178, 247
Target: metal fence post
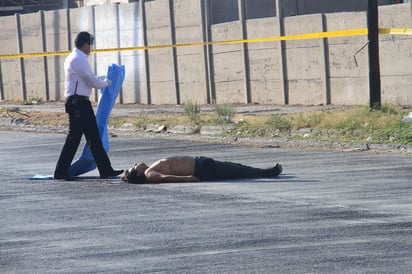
21, 59
374, 70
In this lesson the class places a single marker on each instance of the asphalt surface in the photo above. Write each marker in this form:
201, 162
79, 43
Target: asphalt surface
330, 212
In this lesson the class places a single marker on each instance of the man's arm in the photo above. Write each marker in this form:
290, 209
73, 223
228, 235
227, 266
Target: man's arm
84, 70
153, 176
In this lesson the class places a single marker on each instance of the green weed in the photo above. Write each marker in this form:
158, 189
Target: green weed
192, 111
224, 113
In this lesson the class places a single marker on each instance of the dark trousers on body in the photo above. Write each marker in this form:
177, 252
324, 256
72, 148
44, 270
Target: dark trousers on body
82, 120
208, 169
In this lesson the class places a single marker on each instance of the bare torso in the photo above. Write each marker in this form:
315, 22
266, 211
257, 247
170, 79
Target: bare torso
177, 165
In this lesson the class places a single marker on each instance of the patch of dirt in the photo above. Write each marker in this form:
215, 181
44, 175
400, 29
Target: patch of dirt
54, 119
36, 118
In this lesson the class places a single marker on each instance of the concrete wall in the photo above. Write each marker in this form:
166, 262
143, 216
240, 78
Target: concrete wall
227, 10
305, 61
396, 57
191, 61
348, 70
162, 60
10, 69
316, 6
228, 64
135, 87
265, 63
308, 72
56, 38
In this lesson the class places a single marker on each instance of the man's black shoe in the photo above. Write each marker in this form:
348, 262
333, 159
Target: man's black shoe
112, 174
277, 170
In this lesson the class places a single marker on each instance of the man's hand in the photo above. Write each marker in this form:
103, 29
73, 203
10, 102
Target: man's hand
109, 82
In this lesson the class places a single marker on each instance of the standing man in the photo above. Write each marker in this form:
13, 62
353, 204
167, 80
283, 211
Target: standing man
79, 81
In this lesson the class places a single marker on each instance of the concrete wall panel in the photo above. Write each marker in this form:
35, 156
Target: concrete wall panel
192, 78
106, 35
189, 35
56, 40
81, 19
158, 14
163, 87
134, 86
131, 35
305, 61
344, 63
32, 41
8, 35
228, 64
397, 89
396, 56
306, 92
187, 13
159, 37
31, 32
302, 25
345, 21
267, 92
190, 60
11, 80
265, 68
348, 62
191, 69
9, 68
348, 45
163, 93
349, 91
193, 91
402, 18
230, 92
264, 65
226, 32
56, 31
161, 66
262, 28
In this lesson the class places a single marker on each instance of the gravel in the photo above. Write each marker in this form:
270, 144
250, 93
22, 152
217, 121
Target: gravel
13, 117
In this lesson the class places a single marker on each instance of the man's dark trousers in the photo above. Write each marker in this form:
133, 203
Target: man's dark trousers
82, 120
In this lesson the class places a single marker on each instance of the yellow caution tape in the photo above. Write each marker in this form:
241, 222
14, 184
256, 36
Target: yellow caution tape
316, 35
35, 54
398, 31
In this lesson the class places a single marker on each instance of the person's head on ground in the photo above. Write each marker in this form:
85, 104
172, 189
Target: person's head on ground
135, 174
83, 41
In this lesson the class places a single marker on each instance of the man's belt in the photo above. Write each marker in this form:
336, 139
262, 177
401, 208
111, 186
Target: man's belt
79, 97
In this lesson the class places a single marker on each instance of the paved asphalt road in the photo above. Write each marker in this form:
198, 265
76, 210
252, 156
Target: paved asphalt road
331, 212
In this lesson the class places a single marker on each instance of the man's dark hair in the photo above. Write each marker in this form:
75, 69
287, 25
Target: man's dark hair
83, 38
134, 178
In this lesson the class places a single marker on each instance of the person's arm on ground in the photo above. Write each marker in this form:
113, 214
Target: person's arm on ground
153, 176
